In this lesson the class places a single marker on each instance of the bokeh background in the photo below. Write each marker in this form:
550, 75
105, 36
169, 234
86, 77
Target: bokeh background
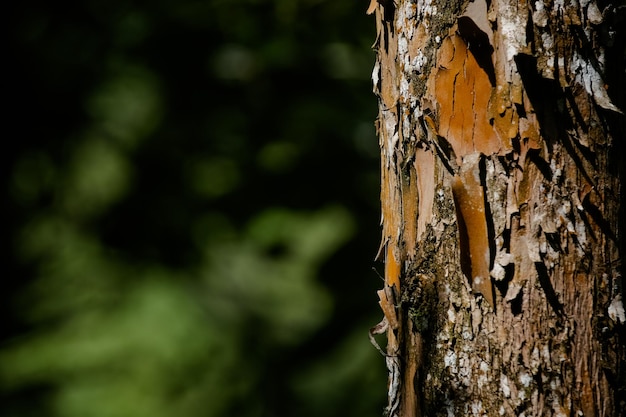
191, 208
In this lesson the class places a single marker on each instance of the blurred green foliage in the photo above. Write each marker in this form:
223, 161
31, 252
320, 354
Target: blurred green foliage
193, 209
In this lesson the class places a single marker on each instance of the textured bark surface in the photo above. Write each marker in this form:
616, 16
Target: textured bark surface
501, 143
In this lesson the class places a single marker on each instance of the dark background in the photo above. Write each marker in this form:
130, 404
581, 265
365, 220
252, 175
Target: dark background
192, 210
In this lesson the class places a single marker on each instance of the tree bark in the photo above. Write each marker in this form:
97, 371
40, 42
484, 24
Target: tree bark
501, 141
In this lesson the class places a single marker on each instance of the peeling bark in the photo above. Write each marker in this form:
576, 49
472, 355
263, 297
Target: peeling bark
501, 135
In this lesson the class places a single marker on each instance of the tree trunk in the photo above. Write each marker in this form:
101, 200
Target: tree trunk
501, 142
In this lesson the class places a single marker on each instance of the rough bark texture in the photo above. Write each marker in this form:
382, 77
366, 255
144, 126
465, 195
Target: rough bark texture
502, 142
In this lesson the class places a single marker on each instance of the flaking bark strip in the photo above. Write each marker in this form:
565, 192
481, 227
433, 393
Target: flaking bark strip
469, 199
